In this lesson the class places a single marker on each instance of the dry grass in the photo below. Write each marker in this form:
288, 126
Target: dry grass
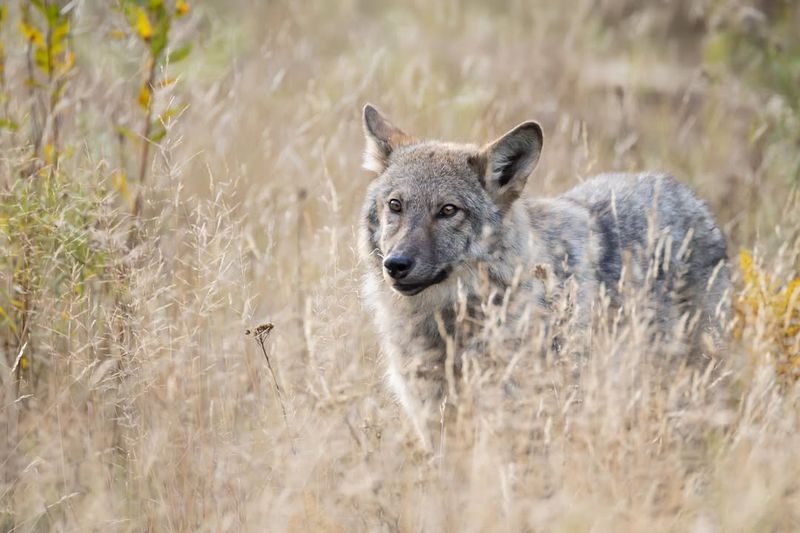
132, 398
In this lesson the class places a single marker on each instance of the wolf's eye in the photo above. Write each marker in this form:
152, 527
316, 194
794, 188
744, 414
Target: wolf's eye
448, 210
395, 206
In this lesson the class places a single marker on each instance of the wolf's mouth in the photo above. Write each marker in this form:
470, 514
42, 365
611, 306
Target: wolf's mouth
410, 289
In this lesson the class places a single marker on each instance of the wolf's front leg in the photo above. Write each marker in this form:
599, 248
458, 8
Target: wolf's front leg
419, 386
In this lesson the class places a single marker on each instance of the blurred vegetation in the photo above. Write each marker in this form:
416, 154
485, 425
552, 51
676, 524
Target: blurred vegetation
171, 173
769, 311
151, 22
46, 228
54, 216
761, 44
46, 30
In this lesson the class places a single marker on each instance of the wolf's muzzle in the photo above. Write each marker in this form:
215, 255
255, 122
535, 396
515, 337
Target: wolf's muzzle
410, 289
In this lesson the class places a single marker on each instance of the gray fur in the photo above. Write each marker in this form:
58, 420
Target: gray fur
519, 255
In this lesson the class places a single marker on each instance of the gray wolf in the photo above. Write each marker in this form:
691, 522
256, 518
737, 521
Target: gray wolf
447, 239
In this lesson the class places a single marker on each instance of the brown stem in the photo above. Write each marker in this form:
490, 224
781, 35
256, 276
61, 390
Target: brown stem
151, 75
24, 313
53, 91
35, 134
261, 335
6, 103
261, 339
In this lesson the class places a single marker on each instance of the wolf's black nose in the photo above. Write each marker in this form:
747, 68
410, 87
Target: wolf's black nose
398, 266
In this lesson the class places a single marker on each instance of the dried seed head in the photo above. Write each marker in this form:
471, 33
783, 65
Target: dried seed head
261, 330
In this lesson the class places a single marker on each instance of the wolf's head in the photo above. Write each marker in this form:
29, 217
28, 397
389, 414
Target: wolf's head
435, 206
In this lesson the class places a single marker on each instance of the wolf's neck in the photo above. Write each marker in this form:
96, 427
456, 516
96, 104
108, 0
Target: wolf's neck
517, 248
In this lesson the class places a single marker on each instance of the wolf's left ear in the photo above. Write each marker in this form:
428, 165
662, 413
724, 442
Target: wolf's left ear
383, 138
509, 160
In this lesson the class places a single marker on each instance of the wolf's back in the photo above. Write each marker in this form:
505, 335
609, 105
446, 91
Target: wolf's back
661, 231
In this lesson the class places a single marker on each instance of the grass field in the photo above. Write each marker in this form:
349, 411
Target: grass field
157, 201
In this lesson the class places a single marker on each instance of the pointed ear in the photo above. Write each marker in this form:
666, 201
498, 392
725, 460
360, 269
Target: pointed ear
382, 137
509, 160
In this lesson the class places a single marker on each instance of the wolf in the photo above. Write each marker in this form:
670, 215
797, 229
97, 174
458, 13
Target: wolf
448, 240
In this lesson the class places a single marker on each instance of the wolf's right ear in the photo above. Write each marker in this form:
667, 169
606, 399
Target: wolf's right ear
382, 137
509, 160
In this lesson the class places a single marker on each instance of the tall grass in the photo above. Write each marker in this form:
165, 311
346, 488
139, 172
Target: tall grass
153, 210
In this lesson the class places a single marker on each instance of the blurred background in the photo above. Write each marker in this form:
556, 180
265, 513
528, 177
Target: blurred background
174, 173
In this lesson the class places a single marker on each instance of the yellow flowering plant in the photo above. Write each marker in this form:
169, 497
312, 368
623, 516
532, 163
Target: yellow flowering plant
770, 309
